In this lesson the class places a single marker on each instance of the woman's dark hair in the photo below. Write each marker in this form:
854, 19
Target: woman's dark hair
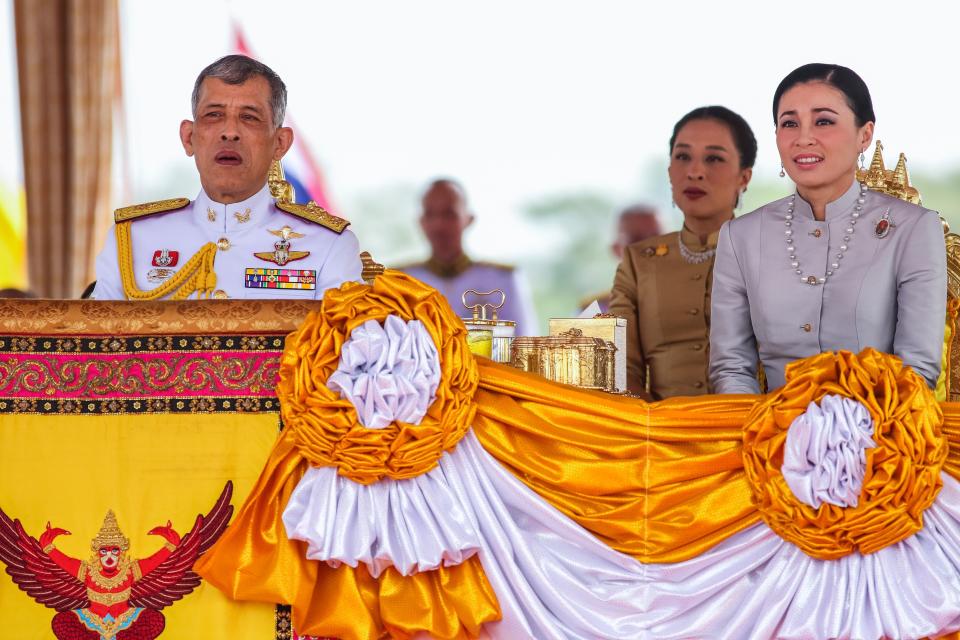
845, 80
742, 135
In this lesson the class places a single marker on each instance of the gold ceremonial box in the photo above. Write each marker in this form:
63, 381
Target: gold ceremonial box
607, 327
570, 357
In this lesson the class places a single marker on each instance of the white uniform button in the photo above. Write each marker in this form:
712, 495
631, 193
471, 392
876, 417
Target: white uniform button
223, 244
807, 327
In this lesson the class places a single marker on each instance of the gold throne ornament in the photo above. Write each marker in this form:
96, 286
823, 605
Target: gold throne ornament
895, 183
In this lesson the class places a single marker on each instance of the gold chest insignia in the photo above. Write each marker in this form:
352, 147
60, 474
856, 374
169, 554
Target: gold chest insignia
282, 254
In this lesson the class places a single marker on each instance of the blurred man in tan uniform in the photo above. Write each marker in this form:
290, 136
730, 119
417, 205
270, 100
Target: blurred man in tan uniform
635, 223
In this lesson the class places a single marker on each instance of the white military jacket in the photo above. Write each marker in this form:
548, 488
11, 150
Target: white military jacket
889, 292
253, 260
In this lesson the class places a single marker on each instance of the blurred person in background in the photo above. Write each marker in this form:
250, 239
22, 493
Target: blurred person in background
663, 283
635, 223
444, 217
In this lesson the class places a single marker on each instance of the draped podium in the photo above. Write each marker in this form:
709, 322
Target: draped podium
387, 483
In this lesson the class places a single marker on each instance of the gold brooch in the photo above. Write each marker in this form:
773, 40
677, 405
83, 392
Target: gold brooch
662, 250
211, 215
242, 216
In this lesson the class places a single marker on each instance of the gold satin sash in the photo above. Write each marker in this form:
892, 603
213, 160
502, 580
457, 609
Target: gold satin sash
254, 560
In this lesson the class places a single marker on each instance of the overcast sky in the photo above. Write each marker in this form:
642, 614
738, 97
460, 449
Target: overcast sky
520, 98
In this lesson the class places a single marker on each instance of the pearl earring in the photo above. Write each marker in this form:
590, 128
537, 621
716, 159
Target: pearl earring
861, 161
782, 172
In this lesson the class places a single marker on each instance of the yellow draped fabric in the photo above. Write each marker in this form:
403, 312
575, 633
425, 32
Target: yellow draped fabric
660, 481
254, 560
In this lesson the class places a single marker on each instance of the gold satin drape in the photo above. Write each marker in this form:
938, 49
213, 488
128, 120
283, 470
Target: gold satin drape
661, 493
254, 560
662, 482
68, 68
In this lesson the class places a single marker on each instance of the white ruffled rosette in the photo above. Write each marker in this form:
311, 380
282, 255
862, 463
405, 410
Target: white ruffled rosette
825, 455
388, 372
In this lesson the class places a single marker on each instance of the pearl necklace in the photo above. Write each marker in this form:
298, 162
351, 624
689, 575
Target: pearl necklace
848, 232
694, 257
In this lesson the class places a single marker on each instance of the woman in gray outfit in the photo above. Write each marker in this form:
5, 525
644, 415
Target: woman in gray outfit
833, 266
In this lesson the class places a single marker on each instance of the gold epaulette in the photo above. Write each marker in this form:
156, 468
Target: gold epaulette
312, 212
149, 208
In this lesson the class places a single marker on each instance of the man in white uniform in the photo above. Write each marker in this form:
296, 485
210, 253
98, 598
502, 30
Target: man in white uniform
233, 240
444, 219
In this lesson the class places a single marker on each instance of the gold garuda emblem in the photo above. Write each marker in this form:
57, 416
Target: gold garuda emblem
110, 593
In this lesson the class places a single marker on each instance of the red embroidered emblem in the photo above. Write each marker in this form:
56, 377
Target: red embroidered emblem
165, 258
110, 592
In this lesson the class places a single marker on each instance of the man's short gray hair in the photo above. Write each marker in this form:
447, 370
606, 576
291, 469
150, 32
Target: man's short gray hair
237, 69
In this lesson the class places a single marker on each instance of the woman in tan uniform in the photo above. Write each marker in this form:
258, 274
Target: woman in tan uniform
662, 286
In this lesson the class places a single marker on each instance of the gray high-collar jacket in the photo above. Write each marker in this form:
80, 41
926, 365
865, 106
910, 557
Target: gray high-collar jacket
889, 292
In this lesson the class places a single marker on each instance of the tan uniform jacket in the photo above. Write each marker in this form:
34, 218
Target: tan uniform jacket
666, 302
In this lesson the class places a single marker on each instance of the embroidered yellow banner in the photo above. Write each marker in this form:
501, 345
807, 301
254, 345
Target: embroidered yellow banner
148, 469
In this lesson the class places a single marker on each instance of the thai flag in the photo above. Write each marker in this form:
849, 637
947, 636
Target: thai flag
299, 166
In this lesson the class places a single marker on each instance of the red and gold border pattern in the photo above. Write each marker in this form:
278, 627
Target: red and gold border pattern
139, 374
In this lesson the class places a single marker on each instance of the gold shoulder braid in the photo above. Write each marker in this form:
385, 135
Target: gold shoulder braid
313, 212
196, 274
148, 209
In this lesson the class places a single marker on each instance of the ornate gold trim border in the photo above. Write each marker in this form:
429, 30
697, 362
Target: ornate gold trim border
115, 318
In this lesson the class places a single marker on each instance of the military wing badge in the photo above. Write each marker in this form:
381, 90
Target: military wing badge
282, 254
